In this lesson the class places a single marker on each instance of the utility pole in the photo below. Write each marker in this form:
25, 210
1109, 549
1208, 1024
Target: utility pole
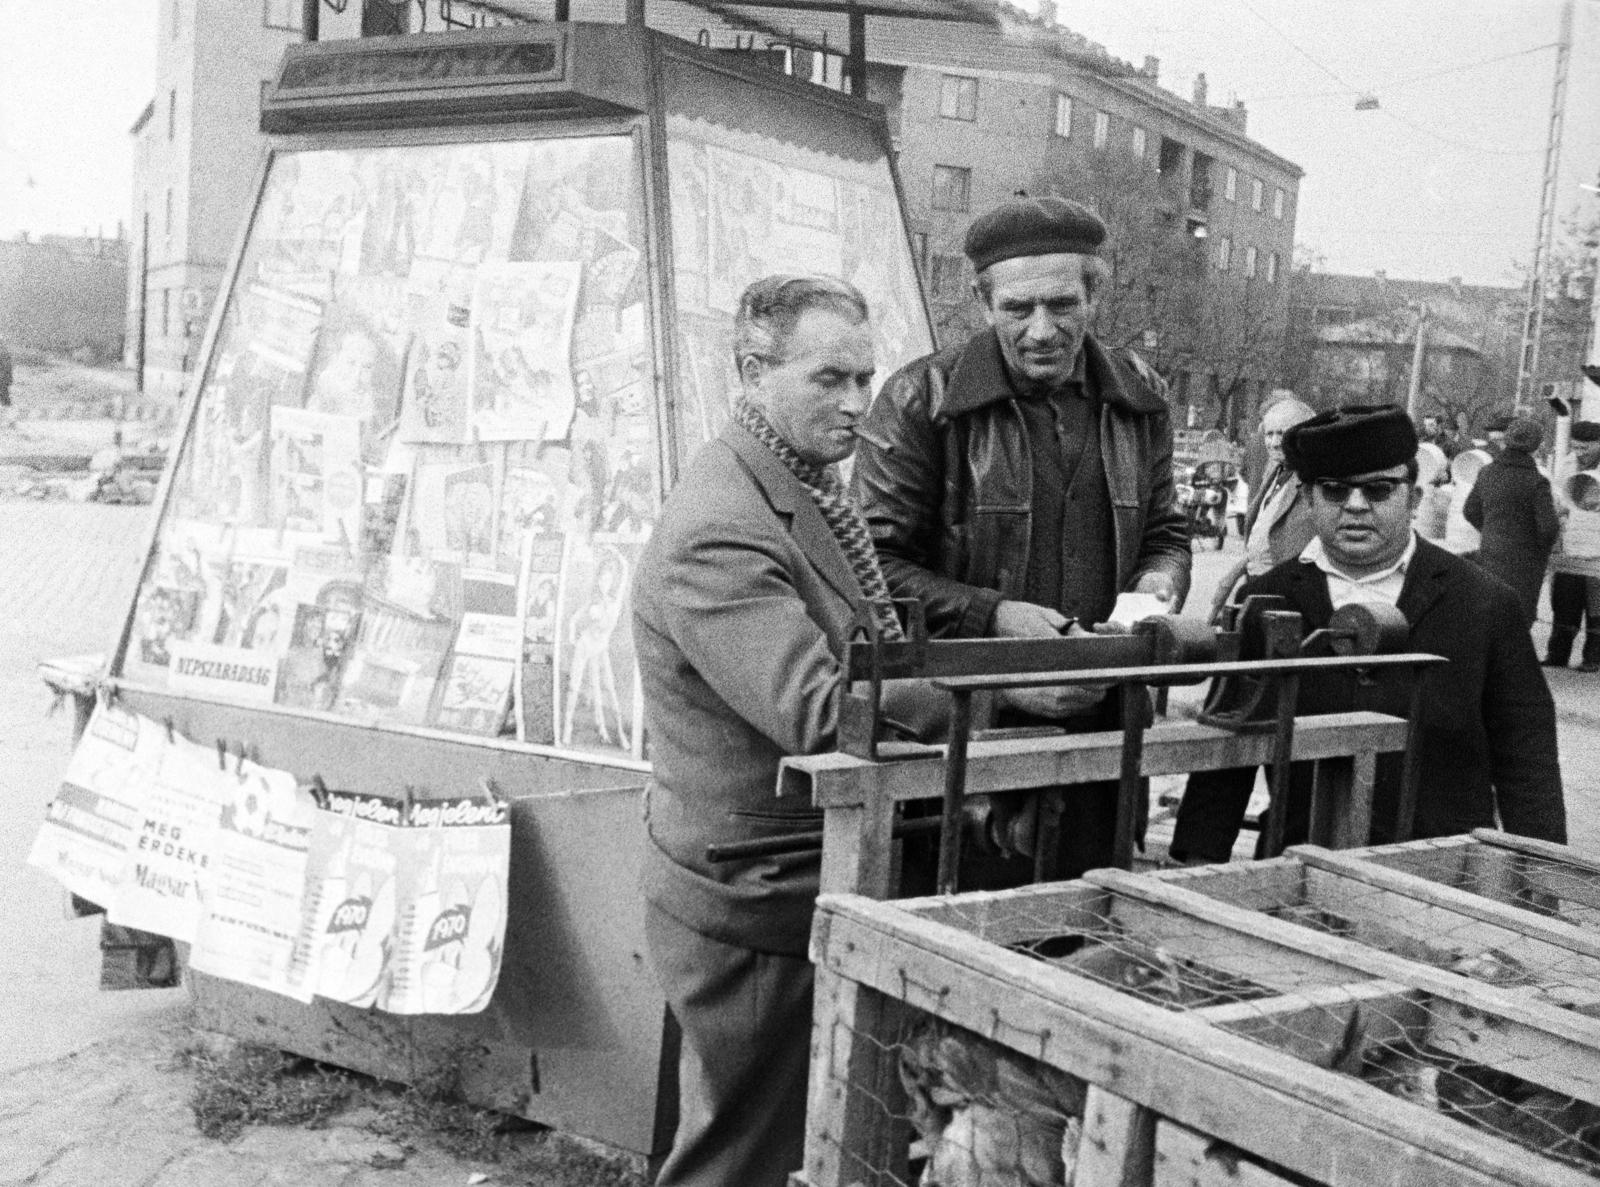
1415, 389
1533, 320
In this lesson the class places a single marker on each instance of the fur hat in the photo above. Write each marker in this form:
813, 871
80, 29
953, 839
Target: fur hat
1346, 441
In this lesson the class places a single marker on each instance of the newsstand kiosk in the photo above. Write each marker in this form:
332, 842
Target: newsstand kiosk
479, 315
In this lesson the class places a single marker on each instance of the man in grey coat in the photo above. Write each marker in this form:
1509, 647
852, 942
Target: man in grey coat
743, 605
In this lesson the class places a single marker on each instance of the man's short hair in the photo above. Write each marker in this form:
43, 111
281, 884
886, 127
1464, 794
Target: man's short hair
770, 309
1288, 405
1095, 271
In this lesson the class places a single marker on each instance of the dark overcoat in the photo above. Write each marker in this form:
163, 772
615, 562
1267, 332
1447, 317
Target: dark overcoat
1512, 508
1487, 729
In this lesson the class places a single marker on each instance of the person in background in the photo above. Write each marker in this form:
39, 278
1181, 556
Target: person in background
1514, 511
1278, 523
1256, 457
744, 601
1018, 482
1486, 736
7, 417
1434, 433
1573, 596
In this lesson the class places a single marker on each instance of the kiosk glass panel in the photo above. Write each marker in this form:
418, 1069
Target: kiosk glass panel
423, 459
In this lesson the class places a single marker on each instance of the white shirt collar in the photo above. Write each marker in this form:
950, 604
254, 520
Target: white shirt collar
1315, 554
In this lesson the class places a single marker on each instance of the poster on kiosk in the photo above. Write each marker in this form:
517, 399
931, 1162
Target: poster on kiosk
481, 314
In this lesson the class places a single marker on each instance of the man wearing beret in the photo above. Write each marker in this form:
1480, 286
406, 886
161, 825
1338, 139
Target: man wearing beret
1487, 734
1022, 479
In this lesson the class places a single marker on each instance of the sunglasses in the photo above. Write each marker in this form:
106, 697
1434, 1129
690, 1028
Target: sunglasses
1378, 490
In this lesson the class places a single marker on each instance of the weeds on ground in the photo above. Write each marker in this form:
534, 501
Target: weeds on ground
433, 1106
252, 1085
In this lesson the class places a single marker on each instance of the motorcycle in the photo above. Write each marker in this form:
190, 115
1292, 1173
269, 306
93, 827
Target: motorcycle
1204, 498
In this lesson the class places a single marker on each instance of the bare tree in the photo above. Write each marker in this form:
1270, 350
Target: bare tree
1232, 332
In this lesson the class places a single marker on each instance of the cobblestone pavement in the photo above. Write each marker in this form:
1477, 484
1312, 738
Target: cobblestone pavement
88, 1091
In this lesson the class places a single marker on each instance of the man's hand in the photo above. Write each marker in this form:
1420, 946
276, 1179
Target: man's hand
1025, 620
1053, 703
1160, 584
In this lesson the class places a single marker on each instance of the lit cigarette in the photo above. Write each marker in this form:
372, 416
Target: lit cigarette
873, 439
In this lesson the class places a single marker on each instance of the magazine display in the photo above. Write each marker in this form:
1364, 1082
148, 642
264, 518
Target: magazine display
397, 903
435, 362
426, 451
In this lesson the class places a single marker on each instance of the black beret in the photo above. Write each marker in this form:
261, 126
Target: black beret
1346, 441
1033, 227
1586, 430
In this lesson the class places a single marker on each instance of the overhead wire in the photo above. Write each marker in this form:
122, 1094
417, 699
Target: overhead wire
1358, 92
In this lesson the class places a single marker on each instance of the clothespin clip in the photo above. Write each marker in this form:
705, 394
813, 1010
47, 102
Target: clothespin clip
172, 734
222, 755
238, 766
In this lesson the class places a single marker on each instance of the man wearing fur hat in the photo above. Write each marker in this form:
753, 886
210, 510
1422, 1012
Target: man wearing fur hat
1026, 482
1487, 733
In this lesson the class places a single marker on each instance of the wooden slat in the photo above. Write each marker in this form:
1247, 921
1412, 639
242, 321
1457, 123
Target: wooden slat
858, 849
1185, 1158
1118, 1146
1017, 763
1533, 847
1444, 859
1254, 885
1538, 1042
1535, 926
1007, 917
1316, 1025
1329, 1127
855, 1110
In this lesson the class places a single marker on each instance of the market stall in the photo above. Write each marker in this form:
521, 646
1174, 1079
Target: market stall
479, 315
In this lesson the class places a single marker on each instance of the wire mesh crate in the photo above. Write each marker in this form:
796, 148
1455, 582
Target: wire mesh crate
1252, 1024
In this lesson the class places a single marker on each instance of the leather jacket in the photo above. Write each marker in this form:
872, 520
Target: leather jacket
950, 504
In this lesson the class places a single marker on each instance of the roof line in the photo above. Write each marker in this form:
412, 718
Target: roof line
1177, 105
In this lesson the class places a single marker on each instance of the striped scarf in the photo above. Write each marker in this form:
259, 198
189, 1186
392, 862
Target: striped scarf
838, 511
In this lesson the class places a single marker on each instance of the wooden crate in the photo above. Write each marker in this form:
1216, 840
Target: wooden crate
1225, 1024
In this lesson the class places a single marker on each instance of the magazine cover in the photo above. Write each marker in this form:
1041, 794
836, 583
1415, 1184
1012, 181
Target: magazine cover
167, 871
450, 930
595, 674
251, 920
346, 936
520, 366
89, 825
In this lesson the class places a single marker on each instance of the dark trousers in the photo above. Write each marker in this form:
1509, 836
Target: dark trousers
1213, 809
746, 1021
1573, 598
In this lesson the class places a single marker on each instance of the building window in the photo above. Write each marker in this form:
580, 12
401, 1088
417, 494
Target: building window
176, 18
169, 214
952, 187
1224, 253
1257, 191
919, 246
949, 277
1272, 268
1277, 202
282, 14
1063, 115
166, 312
1230, 187
1250, 261
1102, 129
1140, 139
958, 98
172, 114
